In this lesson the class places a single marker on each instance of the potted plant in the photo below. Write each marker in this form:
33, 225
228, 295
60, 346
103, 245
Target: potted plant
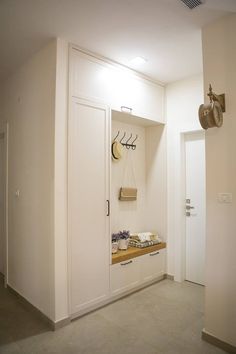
124, 239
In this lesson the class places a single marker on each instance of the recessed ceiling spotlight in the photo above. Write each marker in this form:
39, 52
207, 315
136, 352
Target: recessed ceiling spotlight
138, 61
192, 3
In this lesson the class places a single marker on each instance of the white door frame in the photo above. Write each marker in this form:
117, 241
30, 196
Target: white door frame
180, 240
4, 129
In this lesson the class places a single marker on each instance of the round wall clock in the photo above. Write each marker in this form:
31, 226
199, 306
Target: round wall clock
210, 115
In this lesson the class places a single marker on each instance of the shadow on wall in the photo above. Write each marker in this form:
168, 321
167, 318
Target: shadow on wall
153, 141
16, 320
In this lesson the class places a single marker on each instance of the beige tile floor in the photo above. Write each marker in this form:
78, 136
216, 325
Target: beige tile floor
165, 318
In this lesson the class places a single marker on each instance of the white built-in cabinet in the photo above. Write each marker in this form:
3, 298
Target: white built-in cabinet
124, 276
122, 89
88, 192
96, 87
152, 265
135, 272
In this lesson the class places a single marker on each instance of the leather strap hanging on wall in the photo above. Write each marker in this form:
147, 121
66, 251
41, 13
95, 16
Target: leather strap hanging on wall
128, 193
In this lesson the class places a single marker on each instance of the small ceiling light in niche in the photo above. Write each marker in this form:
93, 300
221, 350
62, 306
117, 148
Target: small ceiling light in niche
138, 61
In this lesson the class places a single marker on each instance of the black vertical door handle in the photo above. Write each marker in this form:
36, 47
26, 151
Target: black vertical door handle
108, 207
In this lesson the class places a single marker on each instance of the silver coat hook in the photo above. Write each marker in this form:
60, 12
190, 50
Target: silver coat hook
122, 137
134, 139
126, 144
117, 135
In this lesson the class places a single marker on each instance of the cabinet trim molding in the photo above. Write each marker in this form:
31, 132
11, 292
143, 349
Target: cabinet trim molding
113, 63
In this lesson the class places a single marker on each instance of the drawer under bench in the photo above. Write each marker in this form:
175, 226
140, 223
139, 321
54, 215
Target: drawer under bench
136, 267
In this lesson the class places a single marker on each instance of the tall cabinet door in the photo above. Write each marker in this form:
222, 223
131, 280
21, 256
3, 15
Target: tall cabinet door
88, 209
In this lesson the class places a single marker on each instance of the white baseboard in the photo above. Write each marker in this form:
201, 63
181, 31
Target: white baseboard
218, 342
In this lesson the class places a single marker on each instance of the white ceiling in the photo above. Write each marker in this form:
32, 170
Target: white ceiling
165, 32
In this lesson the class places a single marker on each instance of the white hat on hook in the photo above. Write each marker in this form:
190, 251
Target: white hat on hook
116, 150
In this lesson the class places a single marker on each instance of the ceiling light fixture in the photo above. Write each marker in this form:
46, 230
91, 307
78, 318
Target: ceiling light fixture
137, 61
192, 3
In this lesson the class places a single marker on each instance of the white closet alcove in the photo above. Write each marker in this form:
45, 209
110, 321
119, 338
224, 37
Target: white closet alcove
143, 168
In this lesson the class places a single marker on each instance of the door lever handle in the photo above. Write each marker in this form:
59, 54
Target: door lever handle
188, 207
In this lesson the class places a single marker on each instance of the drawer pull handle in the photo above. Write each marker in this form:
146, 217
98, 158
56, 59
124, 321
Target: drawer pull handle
153, 254
123, 264
126, 109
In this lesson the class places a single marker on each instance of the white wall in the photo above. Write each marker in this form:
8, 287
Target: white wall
129, 171
60, 186
2, 246
156, 183
219, 52
29, 107
182, 101
1, 102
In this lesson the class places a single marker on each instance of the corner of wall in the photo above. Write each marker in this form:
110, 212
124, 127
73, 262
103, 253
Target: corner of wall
182, 101
60, 180
219, 70
28, 99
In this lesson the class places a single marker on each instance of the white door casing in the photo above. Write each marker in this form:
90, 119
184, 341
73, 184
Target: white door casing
4, 200
195, 207
88, 192
2, 204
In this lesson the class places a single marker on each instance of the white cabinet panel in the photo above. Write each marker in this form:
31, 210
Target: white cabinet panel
129, 274
124, 276
88, 189
116, 86
152, 265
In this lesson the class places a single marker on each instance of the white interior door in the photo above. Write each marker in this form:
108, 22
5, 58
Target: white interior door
88, 191
195, 206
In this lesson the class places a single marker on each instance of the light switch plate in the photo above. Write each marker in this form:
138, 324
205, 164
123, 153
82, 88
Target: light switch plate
225, 197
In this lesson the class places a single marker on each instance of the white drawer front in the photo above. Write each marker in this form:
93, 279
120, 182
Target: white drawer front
152, 265
124, 276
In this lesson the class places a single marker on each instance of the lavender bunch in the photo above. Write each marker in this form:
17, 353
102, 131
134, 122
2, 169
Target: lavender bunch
115, 237
121, 235
124, 235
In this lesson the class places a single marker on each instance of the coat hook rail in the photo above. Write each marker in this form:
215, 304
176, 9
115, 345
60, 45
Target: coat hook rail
127, 144
134, 146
